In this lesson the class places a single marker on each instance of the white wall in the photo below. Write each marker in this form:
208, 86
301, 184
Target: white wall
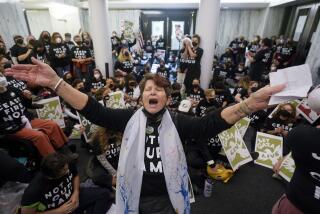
236, 22
65, 19
12, 22
39, 20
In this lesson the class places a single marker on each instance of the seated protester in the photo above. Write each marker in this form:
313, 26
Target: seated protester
228, 67
287, 54
45, 135
219, 71
131, 90
106, 146
59, 54
227, 56
112, 83
20, 51
97, 81
206, 104
243, 83
302, 193
223, 96
68, 42
196, 94
81, 58
67, 77
39, 52
261, 60
124, 64
56, 189
245, 93
162, 70
79, 85
240, 72
282, 121
175, 96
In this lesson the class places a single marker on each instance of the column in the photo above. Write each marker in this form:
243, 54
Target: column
99, 29
206, 26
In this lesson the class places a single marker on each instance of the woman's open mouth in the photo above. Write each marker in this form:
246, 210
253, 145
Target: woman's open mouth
153, 102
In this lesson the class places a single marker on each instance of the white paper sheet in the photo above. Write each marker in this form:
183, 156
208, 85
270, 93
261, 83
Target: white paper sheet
298, 80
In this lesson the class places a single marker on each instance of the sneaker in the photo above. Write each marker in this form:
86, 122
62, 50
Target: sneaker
220, 174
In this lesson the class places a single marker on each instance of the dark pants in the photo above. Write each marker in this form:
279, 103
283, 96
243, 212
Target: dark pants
94, 201
156, 205
61, 70
12, 170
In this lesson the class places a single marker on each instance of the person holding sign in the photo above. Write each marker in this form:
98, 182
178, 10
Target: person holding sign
151, 151
303, 192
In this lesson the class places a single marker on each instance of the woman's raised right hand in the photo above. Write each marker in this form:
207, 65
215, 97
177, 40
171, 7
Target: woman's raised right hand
38, 73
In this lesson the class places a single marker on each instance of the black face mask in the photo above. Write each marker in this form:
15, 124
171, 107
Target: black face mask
78, 42
161, 66
254, 89
195, 86
19, 41
46, 37
126, 54
82, 89
194, 43
147, 69
284, 113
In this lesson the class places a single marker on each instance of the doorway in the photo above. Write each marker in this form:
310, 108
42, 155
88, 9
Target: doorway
306, 21
172, 25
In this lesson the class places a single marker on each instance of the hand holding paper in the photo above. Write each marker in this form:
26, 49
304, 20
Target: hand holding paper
298, 80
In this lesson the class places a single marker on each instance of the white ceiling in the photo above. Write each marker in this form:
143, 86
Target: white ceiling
155, 4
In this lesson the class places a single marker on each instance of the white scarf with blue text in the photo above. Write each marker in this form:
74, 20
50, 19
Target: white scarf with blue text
131, 165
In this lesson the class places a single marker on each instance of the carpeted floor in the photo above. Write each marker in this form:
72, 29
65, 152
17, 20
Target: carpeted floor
251, 190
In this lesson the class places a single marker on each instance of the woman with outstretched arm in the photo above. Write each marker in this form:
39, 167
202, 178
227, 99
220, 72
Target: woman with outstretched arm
152, 172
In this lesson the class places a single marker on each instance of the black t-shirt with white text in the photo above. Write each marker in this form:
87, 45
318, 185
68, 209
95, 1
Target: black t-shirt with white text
163, 72
18, 84
153, 183
96, 84
196, 95
262, 62
275, 122
12, 110
304, 188
55, 51
47, 194
80, 52
125, 66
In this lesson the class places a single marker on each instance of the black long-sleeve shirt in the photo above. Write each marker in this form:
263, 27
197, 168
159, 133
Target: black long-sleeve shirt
304, 188
188, 128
